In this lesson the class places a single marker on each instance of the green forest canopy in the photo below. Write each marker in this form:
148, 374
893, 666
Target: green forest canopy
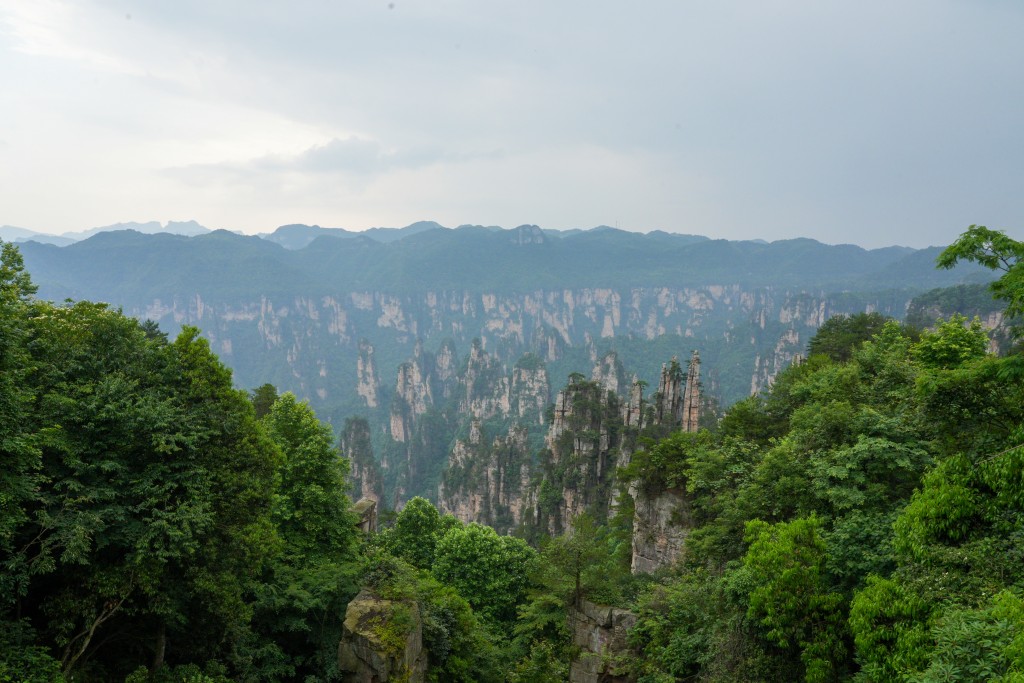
861, 520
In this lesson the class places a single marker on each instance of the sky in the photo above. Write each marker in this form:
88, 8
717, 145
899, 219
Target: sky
871, 122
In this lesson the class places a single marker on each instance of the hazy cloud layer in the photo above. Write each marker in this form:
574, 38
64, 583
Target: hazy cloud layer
873, 122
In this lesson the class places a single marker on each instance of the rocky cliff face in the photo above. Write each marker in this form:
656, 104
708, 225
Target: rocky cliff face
531, 390
367, 380
365, 475
501, 479
748, 333
582, 450
435, 400
601, 635
661, 523
456, 355
495, 479
488, 480
486, 385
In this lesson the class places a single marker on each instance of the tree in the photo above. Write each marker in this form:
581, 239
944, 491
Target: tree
994, 250
790, 598
303, 591
19, 477
888, 623
489, 570
311, 505
263, 398
417, 529
952, 344
152, 517
840, 336
575, 565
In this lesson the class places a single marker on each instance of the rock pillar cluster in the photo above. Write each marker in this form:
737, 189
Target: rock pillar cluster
677, 402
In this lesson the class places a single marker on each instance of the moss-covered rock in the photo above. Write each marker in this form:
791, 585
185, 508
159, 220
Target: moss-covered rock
382, 641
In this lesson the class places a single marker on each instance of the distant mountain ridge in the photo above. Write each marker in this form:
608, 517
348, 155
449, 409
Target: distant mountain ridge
129, 267
295, 236
188, 228
359, 323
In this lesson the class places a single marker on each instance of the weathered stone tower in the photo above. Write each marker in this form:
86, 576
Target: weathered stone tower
678, 400
669, 406
691, 396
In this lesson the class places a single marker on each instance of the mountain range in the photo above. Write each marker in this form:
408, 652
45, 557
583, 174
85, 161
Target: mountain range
394, 325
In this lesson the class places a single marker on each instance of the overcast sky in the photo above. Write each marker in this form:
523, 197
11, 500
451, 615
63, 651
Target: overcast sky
871, 122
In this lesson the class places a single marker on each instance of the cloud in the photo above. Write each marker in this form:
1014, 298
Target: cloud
884, 121
356, 158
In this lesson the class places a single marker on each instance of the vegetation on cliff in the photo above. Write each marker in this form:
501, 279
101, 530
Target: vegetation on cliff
861, 520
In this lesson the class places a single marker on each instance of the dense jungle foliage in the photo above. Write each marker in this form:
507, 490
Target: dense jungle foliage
862, 520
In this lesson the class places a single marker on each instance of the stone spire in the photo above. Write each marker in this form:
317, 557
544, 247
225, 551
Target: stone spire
669, 407
691, 396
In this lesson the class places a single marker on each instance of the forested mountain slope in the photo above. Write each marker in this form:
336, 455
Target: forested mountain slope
338, 319
304, 311
860, 520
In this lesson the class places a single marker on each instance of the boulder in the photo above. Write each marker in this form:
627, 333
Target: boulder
382, 640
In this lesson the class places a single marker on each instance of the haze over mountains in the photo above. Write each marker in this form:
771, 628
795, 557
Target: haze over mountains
649, 285
291, 236
396, 324
15, 234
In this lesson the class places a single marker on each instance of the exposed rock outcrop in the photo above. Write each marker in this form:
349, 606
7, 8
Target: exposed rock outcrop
661, 523
531, 390
315, 341
601, 634
382, 640
365, 511
486, 385
608, 372
768, 365
367, 381
488, 481
446, 370
583, 447
413, 395
678, 400
365, 475
668, 400
691, 396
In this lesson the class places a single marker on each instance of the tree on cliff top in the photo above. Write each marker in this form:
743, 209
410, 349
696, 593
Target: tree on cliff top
994, 250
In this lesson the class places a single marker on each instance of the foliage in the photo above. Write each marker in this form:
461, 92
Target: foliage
315, 575
19, 476
153, 497
664, 465
489, 570
263, 398
840, 335
790, 598
311, 506
416, 532
460, 645
861, 519
677, 624
968, 300
889, 627
879, 480
994, 250
23, 662
952, 344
